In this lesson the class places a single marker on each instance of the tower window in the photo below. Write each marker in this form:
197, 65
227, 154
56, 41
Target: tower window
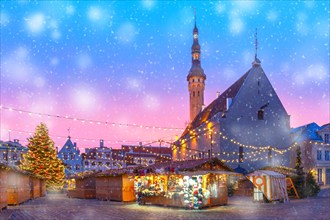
261, 114
198, 93
195, 56
193, 94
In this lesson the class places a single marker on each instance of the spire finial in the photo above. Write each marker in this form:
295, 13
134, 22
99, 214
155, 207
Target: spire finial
256, 44
195, 16
69, 133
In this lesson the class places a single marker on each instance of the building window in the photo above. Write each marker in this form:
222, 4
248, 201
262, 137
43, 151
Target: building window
108, 164
150, 161
4, 156
327, 155
72, 156
319, 175
326, 138
319, 155
86, 163
93, 163
108, 155
100, 164
194, 94
14, 156
77, 167
68, 167
261, 114
100, 154
198, 93
65, 156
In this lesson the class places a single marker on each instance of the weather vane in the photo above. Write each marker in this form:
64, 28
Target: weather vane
256, 43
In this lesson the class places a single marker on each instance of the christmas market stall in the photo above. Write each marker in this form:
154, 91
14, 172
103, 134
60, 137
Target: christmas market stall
190, 184
35, 184
268, 185
18, 186
115, 185
82, 186
3, 186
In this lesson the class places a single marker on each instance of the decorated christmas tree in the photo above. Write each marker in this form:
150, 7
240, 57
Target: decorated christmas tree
299, 179
41, 159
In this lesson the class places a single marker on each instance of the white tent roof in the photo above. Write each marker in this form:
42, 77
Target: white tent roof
266, 173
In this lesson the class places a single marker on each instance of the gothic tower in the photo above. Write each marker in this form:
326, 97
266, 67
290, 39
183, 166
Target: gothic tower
196, 78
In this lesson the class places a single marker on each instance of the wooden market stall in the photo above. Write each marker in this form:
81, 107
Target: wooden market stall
191, 184
35, 187
3, 186
270, 185
115, 185
82, 186
18, 186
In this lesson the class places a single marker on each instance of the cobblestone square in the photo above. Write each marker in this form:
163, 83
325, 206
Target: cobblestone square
58, 206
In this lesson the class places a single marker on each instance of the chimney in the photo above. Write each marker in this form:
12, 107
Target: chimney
228, 103
101, 143
218, 94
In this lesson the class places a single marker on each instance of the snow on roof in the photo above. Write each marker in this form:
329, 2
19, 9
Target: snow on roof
266, 173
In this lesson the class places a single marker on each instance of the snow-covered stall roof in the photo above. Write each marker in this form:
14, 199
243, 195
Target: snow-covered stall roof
266, 173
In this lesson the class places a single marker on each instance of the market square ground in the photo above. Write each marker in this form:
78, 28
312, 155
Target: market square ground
58, 206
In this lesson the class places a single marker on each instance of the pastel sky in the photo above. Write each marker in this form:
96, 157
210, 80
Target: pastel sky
126, 63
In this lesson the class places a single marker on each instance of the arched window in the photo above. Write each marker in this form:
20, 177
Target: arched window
194, 94
198, 93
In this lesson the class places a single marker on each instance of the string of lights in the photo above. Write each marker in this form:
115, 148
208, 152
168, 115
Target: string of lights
206, 131
79, 138
90, 121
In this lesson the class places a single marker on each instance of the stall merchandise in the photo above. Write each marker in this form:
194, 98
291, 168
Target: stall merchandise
192, 184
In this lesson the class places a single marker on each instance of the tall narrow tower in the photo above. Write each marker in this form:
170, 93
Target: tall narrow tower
196, 78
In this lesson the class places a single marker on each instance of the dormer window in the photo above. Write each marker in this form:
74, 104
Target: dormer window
261, 114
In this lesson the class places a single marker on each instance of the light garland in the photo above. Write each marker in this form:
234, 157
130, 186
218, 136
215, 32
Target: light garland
206, 131
89, 121
83, 139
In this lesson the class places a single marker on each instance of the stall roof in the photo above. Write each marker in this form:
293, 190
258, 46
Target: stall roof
266, 173
204, 172
192, 165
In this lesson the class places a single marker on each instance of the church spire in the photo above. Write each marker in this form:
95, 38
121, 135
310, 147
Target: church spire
256, 61
196, 77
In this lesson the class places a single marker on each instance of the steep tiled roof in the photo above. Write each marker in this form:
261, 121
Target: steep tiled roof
306, 132
219, 104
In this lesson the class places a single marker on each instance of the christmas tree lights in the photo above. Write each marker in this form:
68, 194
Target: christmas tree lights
41, 159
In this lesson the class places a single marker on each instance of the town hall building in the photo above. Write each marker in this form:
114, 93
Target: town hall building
246, 125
